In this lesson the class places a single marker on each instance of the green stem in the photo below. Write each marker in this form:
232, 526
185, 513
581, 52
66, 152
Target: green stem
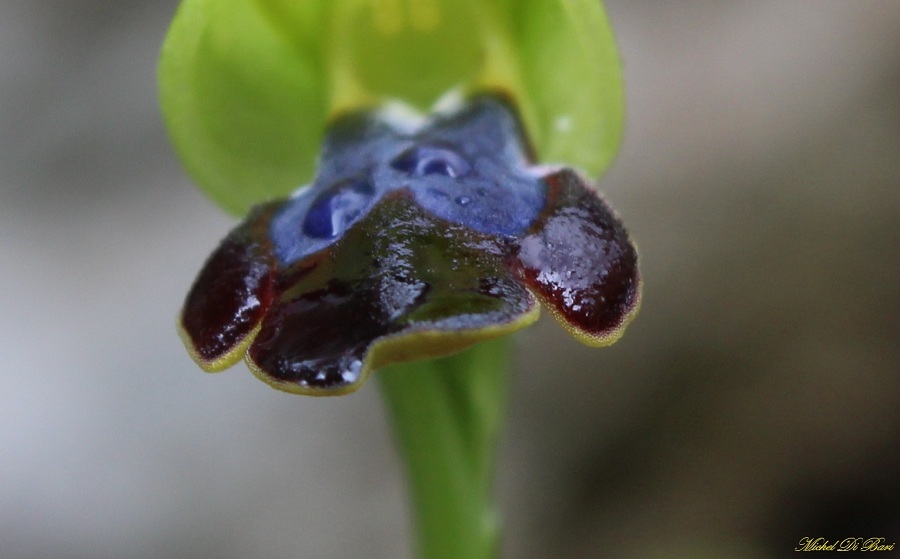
446, 414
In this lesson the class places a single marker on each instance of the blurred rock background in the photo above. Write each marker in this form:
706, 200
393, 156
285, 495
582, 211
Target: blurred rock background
754, 401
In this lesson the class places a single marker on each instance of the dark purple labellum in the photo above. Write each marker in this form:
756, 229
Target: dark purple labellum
410, 245
400, 273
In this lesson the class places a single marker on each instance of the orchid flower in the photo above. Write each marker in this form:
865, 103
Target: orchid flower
422, 228
416, 239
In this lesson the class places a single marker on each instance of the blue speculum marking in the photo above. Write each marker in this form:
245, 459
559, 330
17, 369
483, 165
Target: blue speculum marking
469, 168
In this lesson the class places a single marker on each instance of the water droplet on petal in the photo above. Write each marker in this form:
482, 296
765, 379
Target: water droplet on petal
438, 193
335, 209
436, 167
423, 160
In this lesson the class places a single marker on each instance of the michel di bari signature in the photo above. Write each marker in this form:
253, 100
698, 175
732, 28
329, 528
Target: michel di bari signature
846, 544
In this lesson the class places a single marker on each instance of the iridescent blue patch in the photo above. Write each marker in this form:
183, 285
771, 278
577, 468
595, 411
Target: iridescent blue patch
469, 168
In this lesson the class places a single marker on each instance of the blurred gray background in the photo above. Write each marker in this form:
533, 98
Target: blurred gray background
754, 401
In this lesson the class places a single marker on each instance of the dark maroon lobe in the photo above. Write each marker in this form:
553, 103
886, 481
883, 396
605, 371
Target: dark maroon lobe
233, 291
578, 258
397, 272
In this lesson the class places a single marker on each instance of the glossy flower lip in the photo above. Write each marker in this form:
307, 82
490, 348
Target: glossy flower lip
414, 241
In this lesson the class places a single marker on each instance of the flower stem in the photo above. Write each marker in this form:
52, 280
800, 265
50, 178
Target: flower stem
446, 414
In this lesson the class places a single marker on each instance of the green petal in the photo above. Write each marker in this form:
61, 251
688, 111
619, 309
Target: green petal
573, 98
247, 86
244, 107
